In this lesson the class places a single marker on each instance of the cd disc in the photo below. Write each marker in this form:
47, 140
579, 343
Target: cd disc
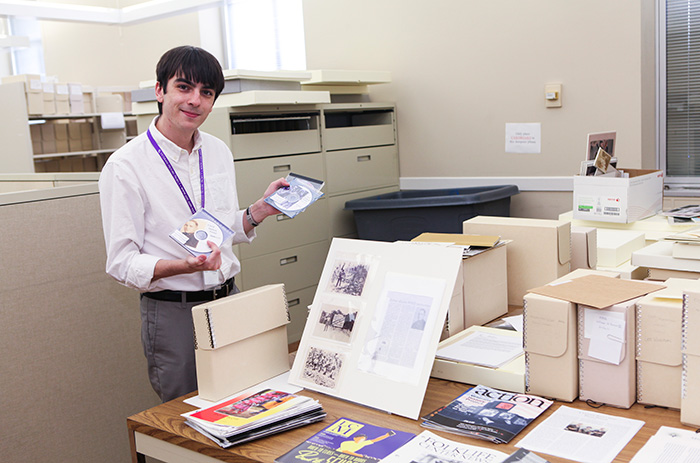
207, 230
299, 198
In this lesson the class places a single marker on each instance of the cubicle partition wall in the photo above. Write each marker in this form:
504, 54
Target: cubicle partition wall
72, 368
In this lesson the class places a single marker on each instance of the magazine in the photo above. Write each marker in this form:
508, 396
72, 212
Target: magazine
487, 413
202, 227
347, 441
427, 447
300, 194
250, 416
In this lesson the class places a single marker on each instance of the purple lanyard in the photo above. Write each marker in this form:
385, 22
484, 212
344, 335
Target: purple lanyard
174, 174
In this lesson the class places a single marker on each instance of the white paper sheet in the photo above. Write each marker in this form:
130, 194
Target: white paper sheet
523, 138
606, 331
488, 349
516, 321
670, 445
580, 435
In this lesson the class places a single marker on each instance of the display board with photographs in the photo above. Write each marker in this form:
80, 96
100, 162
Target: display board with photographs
375, 322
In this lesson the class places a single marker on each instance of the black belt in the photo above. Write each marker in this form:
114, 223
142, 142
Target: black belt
206, 295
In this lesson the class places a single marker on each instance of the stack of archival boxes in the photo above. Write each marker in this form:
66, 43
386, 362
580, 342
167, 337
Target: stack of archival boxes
596, 331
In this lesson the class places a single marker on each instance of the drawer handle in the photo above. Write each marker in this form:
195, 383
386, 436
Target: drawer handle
288, 260
282, 168
293, 302
364, 158
281, 217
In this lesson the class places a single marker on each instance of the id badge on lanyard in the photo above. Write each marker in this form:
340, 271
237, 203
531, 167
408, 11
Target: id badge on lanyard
211, 278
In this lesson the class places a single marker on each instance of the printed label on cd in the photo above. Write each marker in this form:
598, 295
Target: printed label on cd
295, 198
198, 232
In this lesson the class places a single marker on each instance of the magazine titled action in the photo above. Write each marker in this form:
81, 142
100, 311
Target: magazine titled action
300, 194
487, 413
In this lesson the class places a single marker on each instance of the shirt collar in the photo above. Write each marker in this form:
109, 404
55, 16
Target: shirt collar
170, 149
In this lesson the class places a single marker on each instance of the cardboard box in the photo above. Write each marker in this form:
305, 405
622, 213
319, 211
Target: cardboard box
616, 246
49, 97
627, 271
32, 82
62, 99
550, 343
484, 277
540, 250
584, 247
659, 355
660, 274
690, 348
606, 351
35, 104
75, 98
509, 377
241, 340
617, 199
660, 256
686, 250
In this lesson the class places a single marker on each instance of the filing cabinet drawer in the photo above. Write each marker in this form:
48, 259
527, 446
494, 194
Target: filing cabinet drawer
298, 302
343, 221
254, 175
297, 268
250, 146
358, 129
262, 135
361, 169
280, 232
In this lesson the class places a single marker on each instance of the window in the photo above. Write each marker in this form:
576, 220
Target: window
27, 60
679, 95
265, 35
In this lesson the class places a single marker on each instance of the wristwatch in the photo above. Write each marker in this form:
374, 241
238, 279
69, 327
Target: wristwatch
250, 218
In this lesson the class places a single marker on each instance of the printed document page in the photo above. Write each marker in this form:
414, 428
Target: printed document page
670, 444
580, 435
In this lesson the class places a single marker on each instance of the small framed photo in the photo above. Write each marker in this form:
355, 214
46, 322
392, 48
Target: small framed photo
604, 140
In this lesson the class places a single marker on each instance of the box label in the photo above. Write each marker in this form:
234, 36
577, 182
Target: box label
599, 205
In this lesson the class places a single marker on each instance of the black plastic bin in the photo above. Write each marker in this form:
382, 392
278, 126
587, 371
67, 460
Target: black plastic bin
405, 214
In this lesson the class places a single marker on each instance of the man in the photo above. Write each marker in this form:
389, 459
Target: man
153, 185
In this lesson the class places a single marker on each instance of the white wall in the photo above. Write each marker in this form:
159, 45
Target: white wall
463, 69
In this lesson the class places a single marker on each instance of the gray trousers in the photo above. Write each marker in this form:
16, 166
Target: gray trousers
167, 336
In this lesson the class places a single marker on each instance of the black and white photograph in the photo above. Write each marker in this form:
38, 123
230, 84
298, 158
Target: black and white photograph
322, 367
335, 323
348, 277
586, 429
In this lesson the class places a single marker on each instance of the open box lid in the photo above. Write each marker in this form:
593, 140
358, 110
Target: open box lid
597, 291
484, 241
550, 335
239, 316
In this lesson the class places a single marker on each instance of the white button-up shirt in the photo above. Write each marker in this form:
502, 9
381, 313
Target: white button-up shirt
142, 204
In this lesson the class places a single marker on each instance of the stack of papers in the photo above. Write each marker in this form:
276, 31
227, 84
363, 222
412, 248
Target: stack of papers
489, 349
670, 444
251, 416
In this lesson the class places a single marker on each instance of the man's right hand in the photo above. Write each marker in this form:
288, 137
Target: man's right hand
167, 268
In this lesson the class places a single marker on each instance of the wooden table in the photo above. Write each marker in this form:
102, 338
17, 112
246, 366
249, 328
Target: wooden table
160, 432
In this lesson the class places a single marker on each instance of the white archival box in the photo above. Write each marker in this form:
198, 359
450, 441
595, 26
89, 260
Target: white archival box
375, 323
618, 199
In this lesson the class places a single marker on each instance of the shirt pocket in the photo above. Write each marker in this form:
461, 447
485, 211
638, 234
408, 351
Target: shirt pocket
222, 195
